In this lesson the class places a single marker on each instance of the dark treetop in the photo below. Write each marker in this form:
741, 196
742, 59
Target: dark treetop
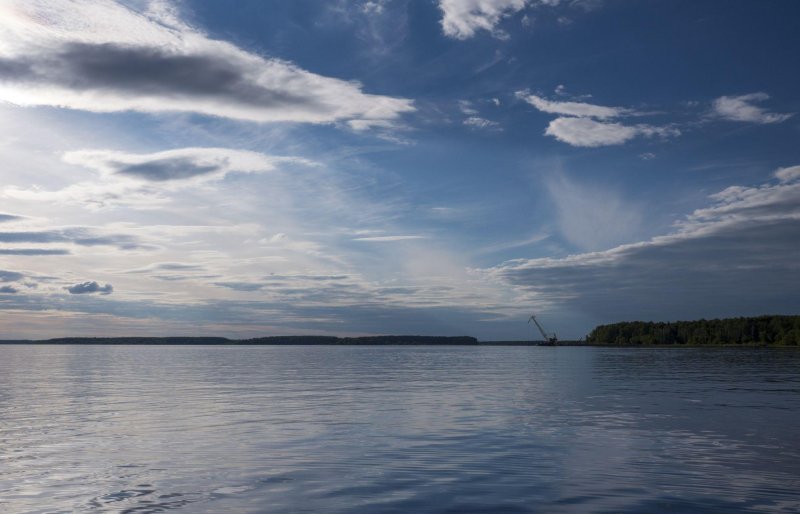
761, 330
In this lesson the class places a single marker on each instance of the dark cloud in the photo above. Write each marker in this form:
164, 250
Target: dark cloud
8, 290
79, 236
240, 286
162, 170
737, 257
89, 288
149, 71
31, 237
33, 251
8, 217
144, 70
10, 276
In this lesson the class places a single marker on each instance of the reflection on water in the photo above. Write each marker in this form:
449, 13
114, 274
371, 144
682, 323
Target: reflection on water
398, 429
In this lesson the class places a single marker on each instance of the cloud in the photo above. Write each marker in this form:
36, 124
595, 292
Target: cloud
466, 107
33, 251
8, 290
586, 125
169, 266
141, 180
10, 276
741, 108
481, 123
580, 109
387, 239
240, 286
589, 133
461, 19
373, 6
8, 217
789, 174
174, 165
593, 217
79, 236
90, 288
101, 56
735, 257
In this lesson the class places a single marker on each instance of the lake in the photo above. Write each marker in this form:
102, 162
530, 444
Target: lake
329, 429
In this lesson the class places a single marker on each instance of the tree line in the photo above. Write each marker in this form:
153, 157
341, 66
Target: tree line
761, 330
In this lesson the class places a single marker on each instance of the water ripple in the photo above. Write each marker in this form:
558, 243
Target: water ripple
410, 429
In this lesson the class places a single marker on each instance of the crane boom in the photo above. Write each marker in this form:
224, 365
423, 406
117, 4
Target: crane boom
548, 339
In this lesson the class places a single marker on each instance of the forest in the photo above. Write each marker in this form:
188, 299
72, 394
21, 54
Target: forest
753, 331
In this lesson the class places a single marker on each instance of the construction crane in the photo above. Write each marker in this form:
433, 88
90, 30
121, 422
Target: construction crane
549, 340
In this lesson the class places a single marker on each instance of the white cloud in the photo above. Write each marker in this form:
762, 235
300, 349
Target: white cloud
573, 108
741, 108
172, 165
373, 6
789, 174
481, 123
466, 107
586, 132
735, 257
593, 217
141, 180
461, 19
104, 57
588, 125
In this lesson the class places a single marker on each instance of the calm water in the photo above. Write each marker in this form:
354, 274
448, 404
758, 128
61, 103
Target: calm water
398, 429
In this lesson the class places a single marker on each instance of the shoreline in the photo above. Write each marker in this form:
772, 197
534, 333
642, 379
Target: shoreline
430, 341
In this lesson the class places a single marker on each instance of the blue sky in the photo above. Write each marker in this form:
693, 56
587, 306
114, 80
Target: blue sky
429, 166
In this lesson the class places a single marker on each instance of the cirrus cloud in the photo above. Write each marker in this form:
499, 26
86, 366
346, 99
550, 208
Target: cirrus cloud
589, 133
572, 108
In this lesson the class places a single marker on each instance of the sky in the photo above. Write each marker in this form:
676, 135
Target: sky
436, 167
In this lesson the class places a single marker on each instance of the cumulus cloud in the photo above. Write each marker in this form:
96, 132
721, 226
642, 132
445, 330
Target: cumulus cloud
90, 288
461, 19
101, 56
586, 132
588, 125
789, 174
736, 256
741, 108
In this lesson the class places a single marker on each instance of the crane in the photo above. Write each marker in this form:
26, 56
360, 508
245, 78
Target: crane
549, 340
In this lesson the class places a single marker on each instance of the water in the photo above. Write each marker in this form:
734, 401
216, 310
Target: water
398, 429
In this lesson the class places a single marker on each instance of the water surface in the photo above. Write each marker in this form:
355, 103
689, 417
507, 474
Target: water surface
398, 429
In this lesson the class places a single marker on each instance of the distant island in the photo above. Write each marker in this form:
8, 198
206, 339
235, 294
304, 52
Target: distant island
754, 331
275, 340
